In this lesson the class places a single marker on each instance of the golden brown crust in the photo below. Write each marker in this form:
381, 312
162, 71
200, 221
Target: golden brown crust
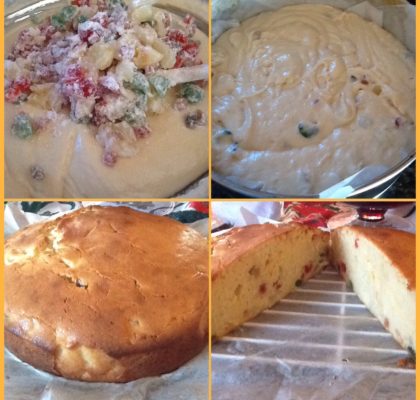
228, 247
128, 284
26, 350
398, 246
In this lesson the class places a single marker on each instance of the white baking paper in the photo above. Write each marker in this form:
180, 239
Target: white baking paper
239, 213
395, 16
320, 342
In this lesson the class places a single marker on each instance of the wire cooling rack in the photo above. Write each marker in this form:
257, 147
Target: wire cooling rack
320, 342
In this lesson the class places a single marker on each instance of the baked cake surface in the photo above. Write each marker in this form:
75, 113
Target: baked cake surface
380, 264
253, 267
106, 294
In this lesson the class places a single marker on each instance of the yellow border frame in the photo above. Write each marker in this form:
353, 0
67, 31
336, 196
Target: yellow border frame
2, 372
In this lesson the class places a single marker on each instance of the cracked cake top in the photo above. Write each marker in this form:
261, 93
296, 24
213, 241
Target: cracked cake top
106, 279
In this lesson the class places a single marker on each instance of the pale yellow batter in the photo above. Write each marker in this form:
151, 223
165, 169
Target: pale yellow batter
168, 161
305, 96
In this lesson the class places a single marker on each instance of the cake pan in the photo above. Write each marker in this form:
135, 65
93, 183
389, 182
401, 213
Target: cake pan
375, 187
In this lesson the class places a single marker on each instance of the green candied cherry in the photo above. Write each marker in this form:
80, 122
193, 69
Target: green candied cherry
113, 3
139, 84
307, 130
36, 19
160, 84
22, 126
135, 116
141, 101
61, 19
192, 92
224, 136
68, 13
58, 22
37, 173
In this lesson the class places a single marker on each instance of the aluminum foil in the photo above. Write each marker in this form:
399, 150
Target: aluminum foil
23, 382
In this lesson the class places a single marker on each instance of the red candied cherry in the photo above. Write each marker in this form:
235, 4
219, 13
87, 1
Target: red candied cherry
142, 132
80, 3
85, 34
190, 24
200, 206
102, 19
109, 158
75, 82
188, 19
18, 91
47, 30
179, 61
178, 37
99, 117
191, 48
90, 31
187, 55
263, 288
308, 268
398, 122
110, 84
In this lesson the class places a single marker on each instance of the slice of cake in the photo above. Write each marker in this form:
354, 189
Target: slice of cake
380, 264
255, 266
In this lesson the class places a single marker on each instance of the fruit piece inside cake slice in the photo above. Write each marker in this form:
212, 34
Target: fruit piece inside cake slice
380, 264
255, 266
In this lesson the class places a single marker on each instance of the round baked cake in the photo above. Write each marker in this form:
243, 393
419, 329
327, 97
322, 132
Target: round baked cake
106, 294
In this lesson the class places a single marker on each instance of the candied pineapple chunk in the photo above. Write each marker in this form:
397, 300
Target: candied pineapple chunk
147, 55
146, 34
102, 54
142, 14
168, 54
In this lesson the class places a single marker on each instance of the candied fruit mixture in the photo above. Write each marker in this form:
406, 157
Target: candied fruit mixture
106, 63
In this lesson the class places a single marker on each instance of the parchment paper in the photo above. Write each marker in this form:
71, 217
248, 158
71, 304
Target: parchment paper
239, 213
395, 16
26, 383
